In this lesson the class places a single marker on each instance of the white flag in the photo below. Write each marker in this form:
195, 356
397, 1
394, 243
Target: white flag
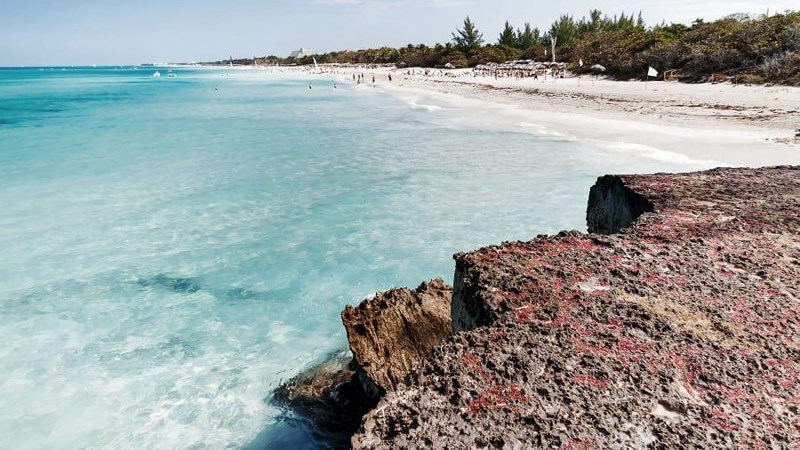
580, 63
652, 72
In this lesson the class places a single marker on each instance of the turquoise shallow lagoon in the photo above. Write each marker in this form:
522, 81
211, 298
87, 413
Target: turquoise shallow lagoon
172, 248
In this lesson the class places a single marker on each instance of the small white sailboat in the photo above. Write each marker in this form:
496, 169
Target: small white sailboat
156, 74
316, 66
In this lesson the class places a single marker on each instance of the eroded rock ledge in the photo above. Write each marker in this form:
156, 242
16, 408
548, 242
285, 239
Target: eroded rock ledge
682, 331
395, 332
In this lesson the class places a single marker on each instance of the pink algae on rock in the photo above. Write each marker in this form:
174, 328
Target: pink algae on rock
673, 323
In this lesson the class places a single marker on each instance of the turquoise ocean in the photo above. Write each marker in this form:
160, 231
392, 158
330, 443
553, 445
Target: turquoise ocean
172, 248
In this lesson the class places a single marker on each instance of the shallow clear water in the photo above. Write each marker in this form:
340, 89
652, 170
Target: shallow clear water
172, 248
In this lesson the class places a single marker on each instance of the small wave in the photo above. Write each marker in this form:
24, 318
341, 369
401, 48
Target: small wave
429, 108
656, 154
540, 130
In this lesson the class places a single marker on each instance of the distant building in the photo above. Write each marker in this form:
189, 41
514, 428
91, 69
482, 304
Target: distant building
302, 53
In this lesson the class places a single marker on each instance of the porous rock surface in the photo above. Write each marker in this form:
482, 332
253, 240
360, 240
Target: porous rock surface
396, 331
682, 331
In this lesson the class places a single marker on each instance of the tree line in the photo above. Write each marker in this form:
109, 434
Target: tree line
759, 49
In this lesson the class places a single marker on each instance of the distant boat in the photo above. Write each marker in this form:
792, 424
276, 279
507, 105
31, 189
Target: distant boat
316, 66
156, 74
171, 75
231, 61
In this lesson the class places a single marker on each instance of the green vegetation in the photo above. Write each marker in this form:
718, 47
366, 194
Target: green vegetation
468, 39
751, 49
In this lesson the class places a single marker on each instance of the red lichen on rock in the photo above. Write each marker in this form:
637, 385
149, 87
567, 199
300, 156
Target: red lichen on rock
683, 330
499, 397
592, 381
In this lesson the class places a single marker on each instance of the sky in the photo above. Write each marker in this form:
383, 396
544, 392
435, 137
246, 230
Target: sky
115, 32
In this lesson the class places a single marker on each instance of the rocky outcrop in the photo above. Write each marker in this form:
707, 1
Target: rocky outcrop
329, 395
614, 206
682, 331
389, 335
395, 332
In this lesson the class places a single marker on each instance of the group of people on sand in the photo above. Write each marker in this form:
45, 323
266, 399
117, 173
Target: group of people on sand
358, 78
361, 78
518, 74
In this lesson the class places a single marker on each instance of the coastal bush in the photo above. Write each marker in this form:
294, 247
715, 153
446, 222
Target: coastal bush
454, 57
620, 51
494, 54
748, 48
782, 68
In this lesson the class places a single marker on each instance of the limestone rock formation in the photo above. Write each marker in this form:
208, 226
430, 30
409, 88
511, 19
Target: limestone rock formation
614, 206
682, 331
389, 335
395, 332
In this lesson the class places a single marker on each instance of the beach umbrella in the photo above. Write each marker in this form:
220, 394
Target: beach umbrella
598, 68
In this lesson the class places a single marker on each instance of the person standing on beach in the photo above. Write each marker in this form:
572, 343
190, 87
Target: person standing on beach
373, 79
390, 78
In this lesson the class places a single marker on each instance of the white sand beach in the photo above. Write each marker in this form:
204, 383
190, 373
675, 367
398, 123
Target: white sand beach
723, 124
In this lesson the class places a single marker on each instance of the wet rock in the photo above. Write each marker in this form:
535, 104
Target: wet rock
681, 332
329, 395
389, 335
